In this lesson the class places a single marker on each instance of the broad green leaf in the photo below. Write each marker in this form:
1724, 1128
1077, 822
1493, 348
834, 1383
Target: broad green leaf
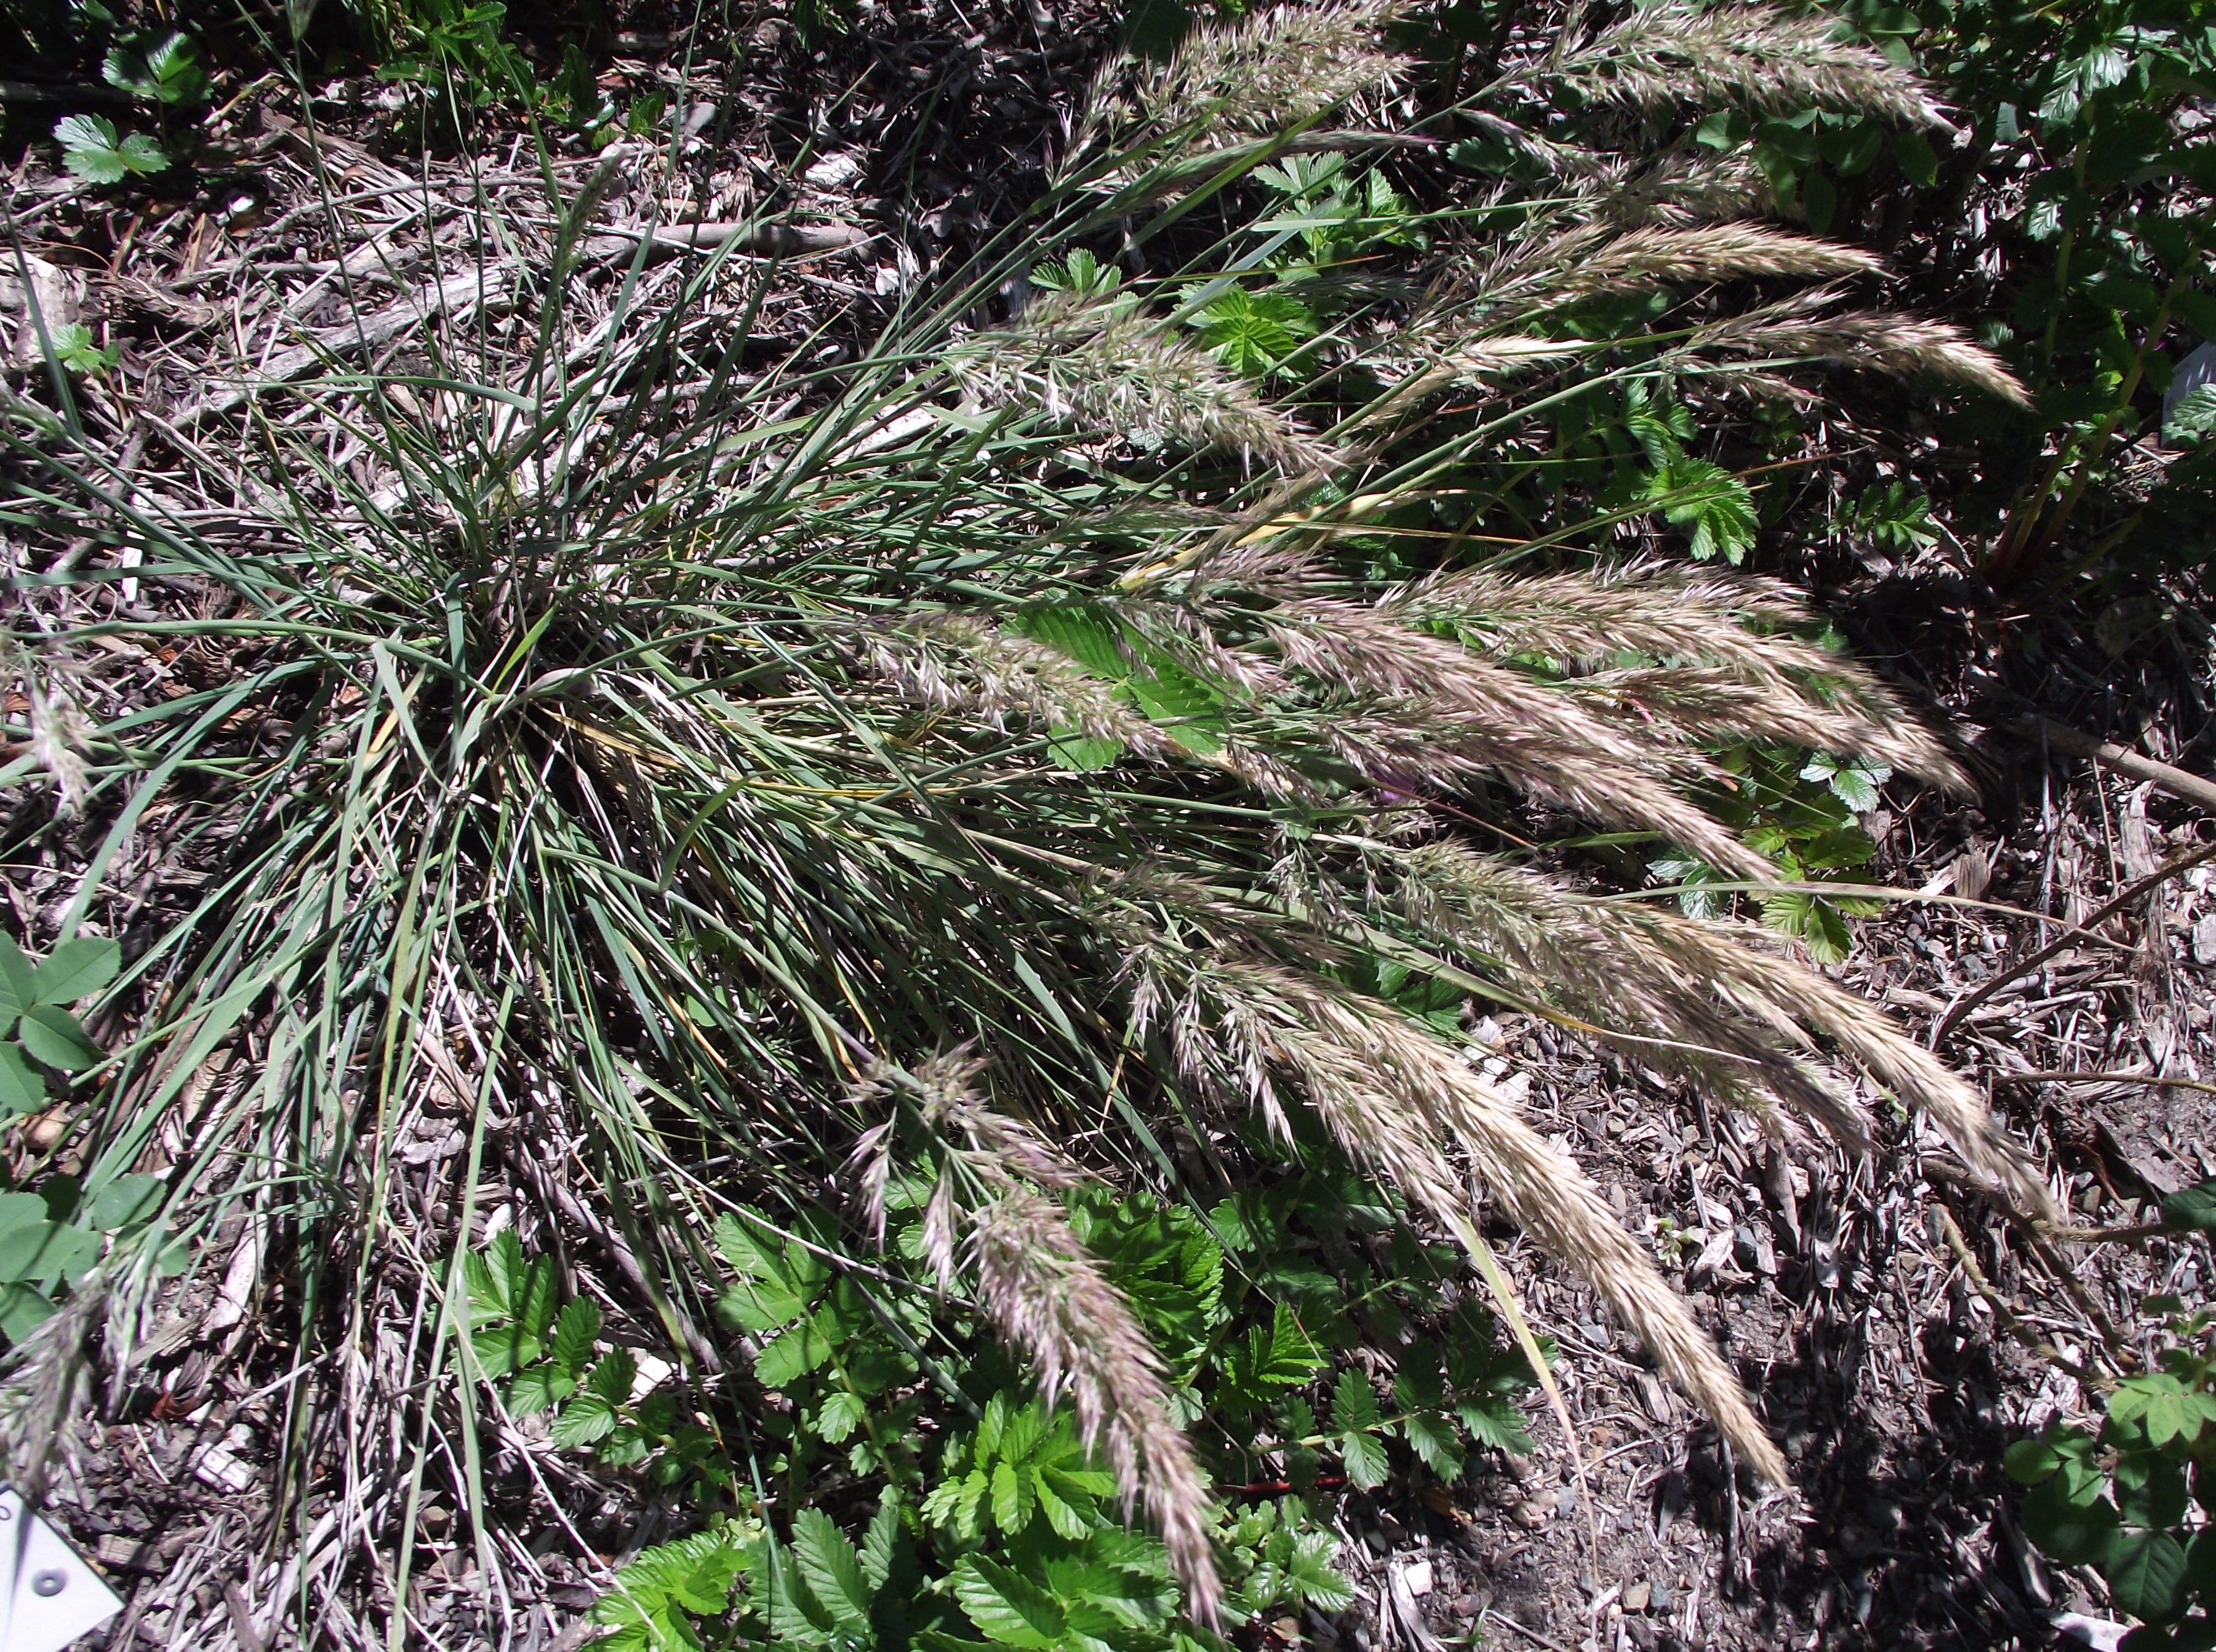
614, 1377
1082, 753
840, 1416
1254, 333
538, 1297
1497, 1422
22, 1087
1918, 159
2193, 1209
18, 982
1368, 1465
2146, 1576
2031, 1461
44, 1250
531, 1391
22, 1311
503, 1349
89, 148
2075, 1534
139, 153
53, 1037
1354, 1405
124, 1202
832, 1569
75, 969
1084, 633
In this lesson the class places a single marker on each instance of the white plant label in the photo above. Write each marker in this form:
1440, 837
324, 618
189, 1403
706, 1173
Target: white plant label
48, 1595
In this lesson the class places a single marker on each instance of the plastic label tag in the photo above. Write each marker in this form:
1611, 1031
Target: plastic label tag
48, 1594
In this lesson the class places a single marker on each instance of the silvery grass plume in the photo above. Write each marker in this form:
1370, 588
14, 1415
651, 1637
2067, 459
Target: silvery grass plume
1730, 1010
1102, 364
1872, 340
1047, 1295
61, 736
1754, 56
1271, 72
1401, 1102
1705, 630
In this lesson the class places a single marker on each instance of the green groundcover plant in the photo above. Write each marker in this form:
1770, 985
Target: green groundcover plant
880, 802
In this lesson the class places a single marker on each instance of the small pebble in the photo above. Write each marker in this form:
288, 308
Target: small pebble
1635, 1598
1418, 1576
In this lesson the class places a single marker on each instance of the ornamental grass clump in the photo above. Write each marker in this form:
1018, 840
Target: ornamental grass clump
992, 749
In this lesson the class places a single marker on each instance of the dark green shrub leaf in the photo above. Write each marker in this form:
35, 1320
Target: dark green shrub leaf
2193, 1209
2031, 1461
77, 969
1919, 161
22, 1311
52, 1036
2146, 1576
125, 1203
22, 1087
2075, 1534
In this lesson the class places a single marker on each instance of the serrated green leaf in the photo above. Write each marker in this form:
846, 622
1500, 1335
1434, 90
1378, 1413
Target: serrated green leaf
538, 1297
502, 1349
785, 1359
1083, 632
832, 1569
1434, 1442
1013, 1497
531, 1391
840, 1416
881, 1544
574, 1331
1354, 1405
587, 1417
52, 1036
1368, 1465
1006, 1606
139, 153
614, 1377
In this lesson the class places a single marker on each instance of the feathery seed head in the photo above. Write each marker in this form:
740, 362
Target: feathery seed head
1103, 366
1047, 1295
1661, 55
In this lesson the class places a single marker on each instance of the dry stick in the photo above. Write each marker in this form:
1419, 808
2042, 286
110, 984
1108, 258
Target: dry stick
2175, 781
2024, 966
769, 240
2153, 1081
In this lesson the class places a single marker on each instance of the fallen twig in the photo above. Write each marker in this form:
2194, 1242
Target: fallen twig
2026, 964
2176, 781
